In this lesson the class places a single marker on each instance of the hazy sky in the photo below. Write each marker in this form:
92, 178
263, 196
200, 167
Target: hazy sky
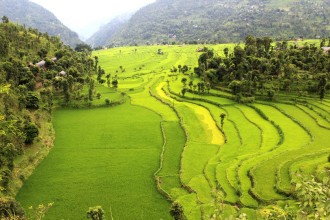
86, 16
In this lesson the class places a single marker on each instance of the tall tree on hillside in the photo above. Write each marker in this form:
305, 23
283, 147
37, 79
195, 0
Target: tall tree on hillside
226, 52
5, 19
322, 86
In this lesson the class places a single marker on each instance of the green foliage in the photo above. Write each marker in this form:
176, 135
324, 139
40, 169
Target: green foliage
313, 196
10, 208
259, 69
177, 211
38, 212
274, 212
83, 47
95, 213
32, 101
31, 131
107, 101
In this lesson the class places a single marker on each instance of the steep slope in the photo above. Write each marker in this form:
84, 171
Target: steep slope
34, 16
225, 21
106, 32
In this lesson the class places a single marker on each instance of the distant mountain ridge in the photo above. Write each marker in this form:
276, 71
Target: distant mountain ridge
35, 16
103, 36
220, 21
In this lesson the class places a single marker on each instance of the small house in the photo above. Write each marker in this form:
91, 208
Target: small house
62, 73
41, 64
326, 49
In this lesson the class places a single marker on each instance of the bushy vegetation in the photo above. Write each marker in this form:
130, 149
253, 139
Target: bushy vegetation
31, 84
263, 69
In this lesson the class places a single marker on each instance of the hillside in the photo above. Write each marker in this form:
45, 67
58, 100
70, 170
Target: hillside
33, 15
37, 73
225, 21
105, 33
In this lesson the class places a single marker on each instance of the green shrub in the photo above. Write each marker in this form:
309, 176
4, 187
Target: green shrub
95, 213
10, 208
31, 132
107, 101
32, 101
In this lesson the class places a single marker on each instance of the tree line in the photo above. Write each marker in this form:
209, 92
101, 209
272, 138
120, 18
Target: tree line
37, 72
263, 68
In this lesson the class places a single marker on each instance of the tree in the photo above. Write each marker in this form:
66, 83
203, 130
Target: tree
65, 87
4, 46
95, 213
5, 19
322, 86
115, 83
184, 81
83, 47
176, 211
184, 69
96, 62
222, 118
191, 83
31, 131
42, 53
183, 91
226, 52
267, 43
107, 101
32, 101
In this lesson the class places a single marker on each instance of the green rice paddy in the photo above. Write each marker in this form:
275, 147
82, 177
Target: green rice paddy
160, 146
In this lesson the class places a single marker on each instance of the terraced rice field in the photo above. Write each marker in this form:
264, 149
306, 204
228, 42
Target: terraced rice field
178, 146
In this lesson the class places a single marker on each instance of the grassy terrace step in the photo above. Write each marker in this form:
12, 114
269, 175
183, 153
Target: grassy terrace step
322, 110
220, 166
309, 163
105, 158
174, 140
191, 201
270, 139
264, 173
319, 143
203, 142
313, 114
227, 166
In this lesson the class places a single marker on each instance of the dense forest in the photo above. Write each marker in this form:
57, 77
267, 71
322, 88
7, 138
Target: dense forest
262, 69
224, 21
37, 72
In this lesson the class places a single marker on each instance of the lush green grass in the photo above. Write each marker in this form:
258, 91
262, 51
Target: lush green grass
159, 134
104, 157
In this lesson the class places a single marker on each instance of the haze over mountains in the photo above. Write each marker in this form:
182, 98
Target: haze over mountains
35, 16
104, 35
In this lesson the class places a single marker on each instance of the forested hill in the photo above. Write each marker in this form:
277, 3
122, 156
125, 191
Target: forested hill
225, 21
33, 15
36, 71
105, 33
